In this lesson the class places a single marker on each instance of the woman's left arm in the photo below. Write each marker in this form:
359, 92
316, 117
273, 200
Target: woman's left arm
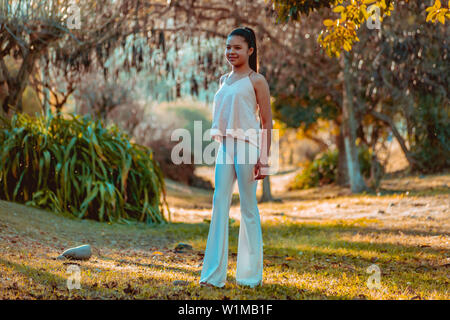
263, 100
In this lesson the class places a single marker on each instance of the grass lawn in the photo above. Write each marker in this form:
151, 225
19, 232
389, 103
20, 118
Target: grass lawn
318, 244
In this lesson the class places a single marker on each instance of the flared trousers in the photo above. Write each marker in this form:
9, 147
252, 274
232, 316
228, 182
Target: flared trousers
235, 160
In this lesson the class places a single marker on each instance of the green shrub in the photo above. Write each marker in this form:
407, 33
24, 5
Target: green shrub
190, 115
430, 145
79, 167
323, 170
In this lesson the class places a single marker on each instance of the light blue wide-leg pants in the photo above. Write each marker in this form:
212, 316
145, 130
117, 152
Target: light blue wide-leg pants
235, 161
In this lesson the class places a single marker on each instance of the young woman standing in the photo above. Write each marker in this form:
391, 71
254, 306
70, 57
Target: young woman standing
235, 114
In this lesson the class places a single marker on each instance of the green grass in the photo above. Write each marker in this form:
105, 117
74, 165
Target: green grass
321, 258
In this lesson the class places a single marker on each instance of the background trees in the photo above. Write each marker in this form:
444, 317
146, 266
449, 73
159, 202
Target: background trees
341, 34
389, 81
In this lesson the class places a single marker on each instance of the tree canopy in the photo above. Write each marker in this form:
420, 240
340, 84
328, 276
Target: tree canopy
340, 31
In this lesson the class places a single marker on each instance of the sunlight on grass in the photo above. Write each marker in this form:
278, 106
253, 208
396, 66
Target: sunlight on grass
317, 257
301, 260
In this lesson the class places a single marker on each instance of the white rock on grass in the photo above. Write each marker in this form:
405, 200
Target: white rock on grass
83, 252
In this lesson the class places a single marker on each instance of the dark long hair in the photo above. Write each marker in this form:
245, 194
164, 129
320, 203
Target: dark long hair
249, 36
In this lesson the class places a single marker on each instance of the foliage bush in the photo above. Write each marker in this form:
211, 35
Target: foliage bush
189, 116
75, 165
430, 145
323, 169
155, 131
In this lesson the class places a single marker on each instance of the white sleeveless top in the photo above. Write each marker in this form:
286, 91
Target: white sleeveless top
235, 111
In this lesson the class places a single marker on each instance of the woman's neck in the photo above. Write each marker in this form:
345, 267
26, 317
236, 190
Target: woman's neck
241, 70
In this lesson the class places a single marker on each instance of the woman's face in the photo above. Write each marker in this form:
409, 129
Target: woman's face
237, 51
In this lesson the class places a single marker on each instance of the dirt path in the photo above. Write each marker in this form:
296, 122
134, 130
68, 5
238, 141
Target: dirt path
418, 201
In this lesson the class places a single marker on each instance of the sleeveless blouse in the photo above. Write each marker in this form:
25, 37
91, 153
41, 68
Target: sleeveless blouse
235, 111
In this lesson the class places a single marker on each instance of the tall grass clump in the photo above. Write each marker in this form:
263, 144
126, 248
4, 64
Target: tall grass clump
75, 165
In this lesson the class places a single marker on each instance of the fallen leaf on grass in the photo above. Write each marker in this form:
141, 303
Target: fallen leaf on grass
130, 290
14, 286
317, 267
110, 285
409, 290
267, 262
348, 266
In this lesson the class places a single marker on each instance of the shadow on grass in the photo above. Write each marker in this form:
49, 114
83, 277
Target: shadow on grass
333, 191
164, 289
367, 229
319, 241
181, 231
50, 281
313, 228
422, 192
324, 242
323, 237
155, 265
267, 291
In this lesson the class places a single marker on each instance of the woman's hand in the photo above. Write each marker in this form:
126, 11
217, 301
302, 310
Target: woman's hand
257, 170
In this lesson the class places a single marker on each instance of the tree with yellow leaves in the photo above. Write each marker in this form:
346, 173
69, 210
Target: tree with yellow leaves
341, 33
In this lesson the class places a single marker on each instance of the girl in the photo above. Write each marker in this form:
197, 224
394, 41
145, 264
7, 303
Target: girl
235, 111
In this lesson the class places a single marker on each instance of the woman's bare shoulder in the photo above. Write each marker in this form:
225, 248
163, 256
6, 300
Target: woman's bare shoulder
258, 79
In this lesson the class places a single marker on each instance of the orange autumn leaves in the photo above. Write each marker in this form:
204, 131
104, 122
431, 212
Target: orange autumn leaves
341, 33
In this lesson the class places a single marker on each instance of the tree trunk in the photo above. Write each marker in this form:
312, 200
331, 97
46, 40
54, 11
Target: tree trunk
387, 120
20, 103
342, 175
17, 85
266, 194
376, 170
45, 91
357, 183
